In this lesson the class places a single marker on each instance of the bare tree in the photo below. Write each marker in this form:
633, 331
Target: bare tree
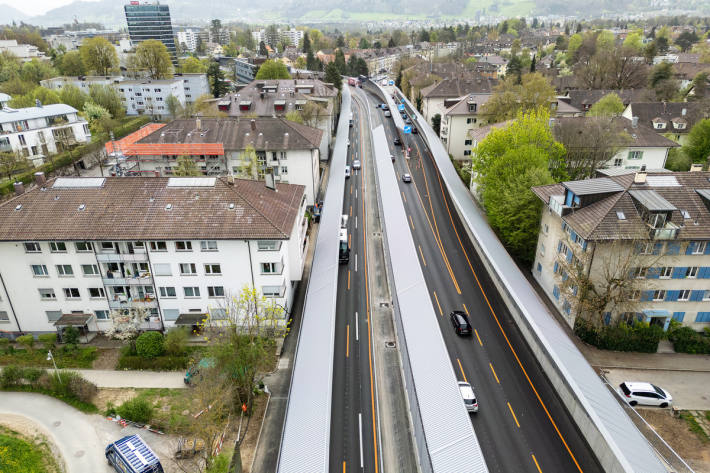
12, 161
313, 112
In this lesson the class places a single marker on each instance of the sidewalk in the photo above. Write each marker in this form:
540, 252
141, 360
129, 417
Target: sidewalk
134, 379
644, 361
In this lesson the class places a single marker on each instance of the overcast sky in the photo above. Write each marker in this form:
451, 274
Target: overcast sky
34, 7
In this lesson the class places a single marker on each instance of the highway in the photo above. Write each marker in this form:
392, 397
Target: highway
521, 425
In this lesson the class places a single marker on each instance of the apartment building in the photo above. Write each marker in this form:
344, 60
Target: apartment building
459, 122
37, 132
651, 231
172, 248
187, 39
24, 52
151, 21
286, 150
441, 95
272, 36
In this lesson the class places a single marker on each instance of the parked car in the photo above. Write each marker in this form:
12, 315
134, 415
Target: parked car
348, 142
406, 178
469, 397
414, 130
396, 141
460, 322
347, 171
392, 157
356, 164
635, 392
131, 454
387, 113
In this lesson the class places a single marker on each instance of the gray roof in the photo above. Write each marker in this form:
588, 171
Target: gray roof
4, 97
8, 115
583, 99
704, 193
593, 186
669, 111
461, 107
456, 87
652, 200
621, 171
625, 135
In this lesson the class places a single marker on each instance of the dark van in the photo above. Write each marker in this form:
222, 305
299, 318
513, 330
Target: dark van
460, 322
344, 249
132, 455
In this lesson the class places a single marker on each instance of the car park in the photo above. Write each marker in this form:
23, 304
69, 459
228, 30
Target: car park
397, 142
460, 322
406, 177
468, 396
356, 164
647, 394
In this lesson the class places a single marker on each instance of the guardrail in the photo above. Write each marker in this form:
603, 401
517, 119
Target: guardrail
618, 445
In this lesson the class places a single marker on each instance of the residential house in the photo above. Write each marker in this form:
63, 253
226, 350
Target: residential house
671, 119
499, 62
458, 123
38, 132
245, 70
286, 150
584, 99
444, 94
650, 229
24, 52
172, 249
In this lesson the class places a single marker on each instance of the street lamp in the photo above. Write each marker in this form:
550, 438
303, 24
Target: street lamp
51, 357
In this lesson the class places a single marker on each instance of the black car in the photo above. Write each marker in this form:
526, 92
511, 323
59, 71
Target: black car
414, 130
397, 142
460, 322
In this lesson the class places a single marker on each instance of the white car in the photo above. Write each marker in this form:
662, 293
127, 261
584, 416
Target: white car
347, 171
468, 396
635, 392
348, 142
356, 164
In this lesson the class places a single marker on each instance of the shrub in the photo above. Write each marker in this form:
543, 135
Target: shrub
71, 335
640, 337
160, 363
48, 340
137, 409
10, 376
80, 388
150, 344
110, 409
175, 341
27, 341
4, 343
687, 340
32, 374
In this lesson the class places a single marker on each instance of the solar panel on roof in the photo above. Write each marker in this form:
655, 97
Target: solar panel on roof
192, 181
81, 182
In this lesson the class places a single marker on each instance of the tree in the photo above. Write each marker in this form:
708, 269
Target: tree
45, 96
12, 161
98, 55
340, 62
108, 98
72, 65
192, 65
186, 166
686, 39
698, 144
398, 80
174, 106
311, 62
391, 43
35, 70
294, 116
608, 106
94, 115
126, 323
514, 69
509, 98
418, 101
532, 64
152, 56
332, 75
262, 49
436, 123
678, 161
634, 40
313, 112
248, 168
215, 75
71, 95
364, 43
306, 43
272, 69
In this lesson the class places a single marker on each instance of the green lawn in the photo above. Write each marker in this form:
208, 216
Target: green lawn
19, 454
82, 357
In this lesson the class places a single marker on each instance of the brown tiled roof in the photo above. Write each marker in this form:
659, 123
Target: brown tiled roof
580, 98
599, 221
461, 107
451, 88
629, 136
237, 133
134, 208
647, 111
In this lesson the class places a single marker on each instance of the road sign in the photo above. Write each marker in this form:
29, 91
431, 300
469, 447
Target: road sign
400, 106
391, 82
407, 129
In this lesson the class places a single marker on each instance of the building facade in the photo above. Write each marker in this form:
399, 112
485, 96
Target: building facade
459, 123
24, 52
151, 21
651, 231
66, 250
37, 132
187, 40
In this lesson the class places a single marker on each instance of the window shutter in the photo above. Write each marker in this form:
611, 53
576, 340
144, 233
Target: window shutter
653, 273
554, 269
704, 273
672, 296
707, 249
573, 236
657, 248
646, 296
697, 295
569, 256
559, 246
672, 248
689, 249
584, 245
679, 272
679, 316
703, 317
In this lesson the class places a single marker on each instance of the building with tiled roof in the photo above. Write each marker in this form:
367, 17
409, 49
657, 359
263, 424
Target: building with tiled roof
173, 248
457, 123
645, 235
671, 119
584, 99
443, 94
287, 150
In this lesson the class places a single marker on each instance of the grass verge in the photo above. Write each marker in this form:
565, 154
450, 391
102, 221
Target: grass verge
694, 426
81, 357
19, 453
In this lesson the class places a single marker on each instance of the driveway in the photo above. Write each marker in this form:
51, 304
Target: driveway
690, 389
81, 438
134, 379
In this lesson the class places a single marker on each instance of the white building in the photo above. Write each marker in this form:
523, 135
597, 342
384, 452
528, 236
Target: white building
459, 124
4, 99
187, 39
177, 248
24, 52
291, 36
651, 231
37, 132
294, 37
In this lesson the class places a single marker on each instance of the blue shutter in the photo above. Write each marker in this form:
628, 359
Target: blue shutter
702, 317
707, 249
569, 255
556, 292
539, 268
584, 245
679, 316
646, 296
559, 246
697, 295
704, 273
672, 248
679, 272
574, 290
555, 267
607, 318
653, 273
657, 248
689, 249
672, 296
573, 236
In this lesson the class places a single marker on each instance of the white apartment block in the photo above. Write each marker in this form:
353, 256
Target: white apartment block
24, 52
651, 230
173, 248
37, 132
460, 123
291, 36
187, 39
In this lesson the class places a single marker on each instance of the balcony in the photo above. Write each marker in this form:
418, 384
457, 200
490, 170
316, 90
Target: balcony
121, 257
128, 281
669, 231
132, 302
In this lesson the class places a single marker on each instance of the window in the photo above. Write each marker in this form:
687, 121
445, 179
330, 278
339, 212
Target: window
40, 270
542, 249
47, 294
646, 248
620, 215
96, 292
215, 291
618, 162
638, 273
684, 295
84, 246
706, 295
4, 318
101, 314
53, 315
209, 245
219, 313
23, 142
171, 314
107, 245
284, 169
692, 272
468, 142
71, 292
269, 245
32, 247
665, 272
703, 317
635, 295
635, 155
162, 269
467, 152
90, 269
270, 268
213, 269
183, 246
470, 120
271, 291
699, 247
167, 291
158, 246
191, 291
65, 270
188, 269
57, 247
659, 295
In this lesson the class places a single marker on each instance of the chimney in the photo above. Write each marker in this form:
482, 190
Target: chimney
634, 122
253, 124
695, 167
19, 188
640, 177
40, 179
664, 107
684, 112
198, 124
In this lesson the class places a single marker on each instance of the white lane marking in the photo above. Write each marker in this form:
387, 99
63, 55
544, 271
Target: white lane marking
356, 215
356, 262
357, 332
360, 422
356, 193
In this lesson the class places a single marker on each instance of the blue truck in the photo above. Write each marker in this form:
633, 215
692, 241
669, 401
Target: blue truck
132, 455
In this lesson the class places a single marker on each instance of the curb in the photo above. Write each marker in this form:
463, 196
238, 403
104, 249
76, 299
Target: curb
685, 370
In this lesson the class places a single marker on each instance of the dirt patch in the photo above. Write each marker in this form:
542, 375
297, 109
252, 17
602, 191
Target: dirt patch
676, 433
107, 359
33, 433
116, 396
248, 447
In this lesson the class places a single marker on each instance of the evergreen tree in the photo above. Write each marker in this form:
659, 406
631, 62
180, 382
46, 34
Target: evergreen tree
332, 75
340, 62
215, 76
306, 43
398, 81
532, 64
262, 49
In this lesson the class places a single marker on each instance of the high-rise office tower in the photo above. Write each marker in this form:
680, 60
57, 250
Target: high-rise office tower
151, 21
